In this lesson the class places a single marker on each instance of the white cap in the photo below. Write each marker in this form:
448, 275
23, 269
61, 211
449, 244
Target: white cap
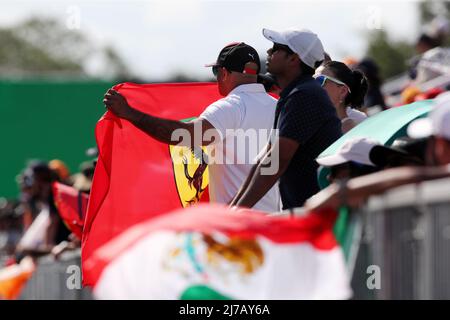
356, 150
303, 42
437, 123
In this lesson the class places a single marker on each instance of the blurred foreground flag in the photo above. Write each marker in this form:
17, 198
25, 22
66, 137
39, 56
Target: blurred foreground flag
137, 177
72, 205
14, 277
210, 252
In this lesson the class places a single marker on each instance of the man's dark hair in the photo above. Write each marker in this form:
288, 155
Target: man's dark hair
267, 80
307, 70
428, 41
40, 169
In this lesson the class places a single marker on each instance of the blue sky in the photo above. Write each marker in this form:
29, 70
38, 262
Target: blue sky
160, 38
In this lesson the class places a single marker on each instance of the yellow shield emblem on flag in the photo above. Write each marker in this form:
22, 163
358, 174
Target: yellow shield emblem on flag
190, 170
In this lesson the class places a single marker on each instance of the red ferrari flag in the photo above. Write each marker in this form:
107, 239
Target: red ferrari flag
136, 178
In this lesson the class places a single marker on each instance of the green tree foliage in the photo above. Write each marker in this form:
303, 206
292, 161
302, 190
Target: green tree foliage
42, 47
391, 56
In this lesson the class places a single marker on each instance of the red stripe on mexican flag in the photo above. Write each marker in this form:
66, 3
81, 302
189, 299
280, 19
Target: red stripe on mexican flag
211, 252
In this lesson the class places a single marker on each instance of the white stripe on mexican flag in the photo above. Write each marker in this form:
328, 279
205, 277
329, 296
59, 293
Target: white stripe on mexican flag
210, 252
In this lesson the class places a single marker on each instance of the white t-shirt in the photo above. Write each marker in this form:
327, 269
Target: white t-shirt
251, 111
355, 115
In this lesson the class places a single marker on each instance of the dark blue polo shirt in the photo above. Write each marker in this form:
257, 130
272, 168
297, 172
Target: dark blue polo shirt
305, 114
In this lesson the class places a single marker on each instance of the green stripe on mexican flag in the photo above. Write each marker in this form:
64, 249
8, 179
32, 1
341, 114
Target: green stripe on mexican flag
210, 252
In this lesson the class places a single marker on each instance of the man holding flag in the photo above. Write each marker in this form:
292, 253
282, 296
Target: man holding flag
246, 111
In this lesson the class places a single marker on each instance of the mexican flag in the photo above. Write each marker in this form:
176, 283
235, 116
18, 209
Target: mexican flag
211, 252
138, 177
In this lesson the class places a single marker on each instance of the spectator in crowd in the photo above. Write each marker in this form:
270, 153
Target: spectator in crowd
246, 106
82, 180
415, 147
437, 128
351, 160
10, 228
355, 158
439, 28
424, 43
360, 156
346, 89
31, 182
306, 121
61, 171
37, 198
374, 97
350, 62
395, 156
409, 94
357, 190
432, 64
432, 59
270, 83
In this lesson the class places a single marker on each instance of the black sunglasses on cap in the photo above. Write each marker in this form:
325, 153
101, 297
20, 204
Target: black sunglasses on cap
282, 47
215, 70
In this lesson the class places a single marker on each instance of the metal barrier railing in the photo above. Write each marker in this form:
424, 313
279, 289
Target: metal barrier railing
57, 279
405, 235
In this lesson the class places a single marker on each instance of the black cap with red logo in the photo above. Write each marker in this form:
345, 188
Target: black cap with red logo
238, 57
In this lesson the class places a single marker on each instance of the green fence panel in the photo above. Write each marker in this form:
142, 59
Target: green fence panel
46, 120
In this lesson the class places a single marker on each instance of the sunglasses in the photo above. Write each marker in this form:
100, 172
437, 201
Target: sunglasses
322, 79
282, 47
215, 70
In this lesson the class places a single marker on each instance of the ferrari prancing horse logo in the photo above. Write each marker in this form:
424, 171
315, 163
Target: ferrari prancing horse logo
190, 168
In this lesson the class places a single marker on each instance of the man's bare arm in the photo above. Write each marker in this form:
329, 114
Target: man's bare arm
249, 178
163, 130
357, 190
282, 151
